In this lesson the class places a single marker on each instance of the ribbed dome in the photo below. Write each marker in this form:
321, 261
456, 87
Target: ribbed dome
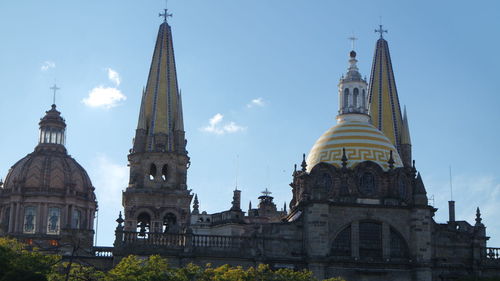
52, 170
362, 142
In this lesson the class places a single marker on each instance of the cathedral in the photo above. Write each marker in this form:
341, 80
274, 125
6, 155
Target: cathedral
358, 209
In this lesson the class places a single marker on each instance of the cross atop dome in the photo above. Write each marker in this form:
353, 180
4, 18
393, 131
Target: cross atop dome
55, 89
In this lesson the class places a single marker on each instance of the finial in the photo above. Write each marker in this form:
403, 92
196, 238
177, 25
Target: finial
266, 192
294, 168
120, 220
344, 159
196, 204
478, 216
249, 205
54, 88
165, 13
391, 161
381, 31
304, 164
353, 40
1, 182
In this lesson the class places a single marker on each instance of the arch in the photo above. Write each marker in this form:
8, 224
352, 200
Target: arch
164, 172
346, 97
341, 245
355, 96
169, 223
143, 224
152, 171
398, 245
370, 239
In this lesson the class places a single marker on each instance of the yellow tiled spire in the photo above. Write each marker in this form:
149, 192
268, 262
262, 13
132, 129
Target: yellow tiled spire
161, 110
383, 98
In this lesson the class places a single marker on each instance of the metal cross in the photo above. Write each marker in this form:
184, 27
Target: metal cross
352, 38
381, 31
266, 192
165, 15
54, 88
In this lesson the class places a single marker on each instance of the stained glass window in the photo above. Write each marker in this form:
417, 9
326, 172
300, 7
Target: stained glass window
54, 221
370, 239
342, 244
29, 220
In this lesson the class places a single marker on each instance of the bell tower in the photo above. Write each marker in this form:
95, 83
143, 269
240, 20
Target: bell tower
157, 198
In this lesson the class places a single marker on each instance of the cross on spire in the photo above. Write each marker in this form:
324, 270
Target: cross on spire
165, 15
54, 88
353, 39
381, 31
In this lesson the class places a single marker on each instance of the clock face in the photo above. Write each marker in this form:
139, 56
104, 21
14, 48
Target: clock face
367, 185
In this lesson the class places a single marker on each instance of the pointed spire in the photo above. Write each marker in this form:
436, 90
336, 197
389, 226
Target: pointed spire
161, 106
344, 158
196, 205
391, 161
304, 164
478, 217
405, 131
383, 97
284, 207
141, 123
249, 206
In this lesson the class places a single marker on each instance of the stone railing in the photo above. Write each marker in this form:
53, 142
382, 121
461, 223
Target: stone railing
493, 253
105, 252
193, 242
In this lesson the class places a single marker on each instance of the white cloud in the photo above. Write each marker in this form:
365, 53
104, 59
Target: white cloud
258, 102
215, 126
106, 97
114, 77
109, 179
47, 65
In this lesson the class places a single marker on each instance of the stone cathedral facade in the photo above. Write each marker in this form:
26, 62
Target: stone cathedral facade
359, 207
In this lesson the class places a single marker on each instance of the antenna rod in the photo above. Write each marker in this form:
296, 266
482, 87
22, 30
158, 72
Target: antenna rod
451, 185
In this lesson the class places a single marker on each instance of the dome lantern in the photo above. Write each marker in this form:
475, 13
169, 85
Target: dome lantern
52, 128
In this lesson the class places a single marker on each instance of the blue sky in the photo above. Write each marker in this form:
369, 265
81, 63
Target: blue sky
265, 73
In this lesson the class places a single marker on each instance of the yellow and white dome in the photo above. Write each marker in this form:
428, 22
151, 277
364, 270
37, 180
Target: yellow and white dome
362, 142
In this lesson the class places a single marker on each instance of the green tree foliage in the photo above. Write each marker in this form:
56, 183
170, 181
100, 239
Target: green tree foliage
18, 263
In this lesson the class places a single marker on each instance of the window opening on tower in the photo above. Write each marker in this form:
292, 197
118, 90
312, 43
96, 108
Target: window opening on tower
152, 172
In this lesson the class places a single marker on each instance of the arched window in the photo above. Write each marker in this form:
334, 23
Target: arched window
370, 239
29, 220
54, 221
363, 96
346, 97
164, 171
399, 249
355, 97
76, 221
152, 172
143, 224
367, 184
170, 223
325, 181
342, 244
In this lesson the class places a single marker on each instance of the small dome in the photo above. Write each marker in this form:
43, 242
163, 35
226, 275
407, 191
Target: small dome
49, 169
362, 142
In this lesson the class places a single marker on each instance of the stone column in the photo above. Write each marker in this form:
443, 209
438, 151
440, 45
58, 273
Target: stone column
18, 220
39, 218
11, 217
